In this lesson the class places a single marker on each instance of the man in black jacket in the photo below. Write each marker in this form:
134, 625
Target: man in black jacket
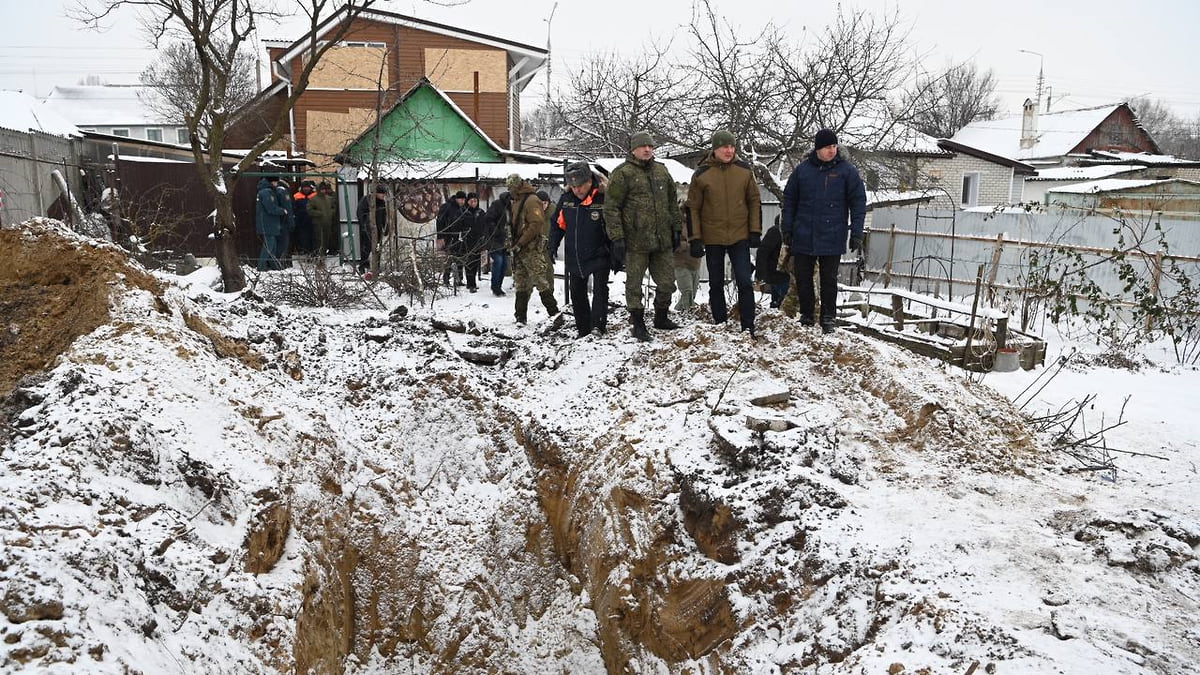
371, 207
449, 235
496, 239
473, 239
579, 218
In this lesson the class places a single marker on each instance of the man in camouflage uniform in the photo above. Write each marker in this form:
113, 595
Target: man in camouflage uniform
641, 213
531, 259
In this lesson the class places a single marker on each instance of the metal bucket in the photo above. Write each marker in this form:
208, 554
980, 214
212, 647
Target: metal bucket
1006, 360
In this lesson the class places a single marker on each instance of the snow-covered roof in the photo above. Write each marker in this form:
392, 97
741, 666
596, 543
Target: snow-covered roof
885, 197
1106, 185
680, 173
1141, 157
462, 171
21, 112
1057, 133
879, 133
109, 105
1084, 172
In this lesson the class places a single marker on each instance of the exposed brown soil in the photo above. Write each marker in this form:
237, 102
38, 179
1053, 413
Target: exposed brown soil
52, 290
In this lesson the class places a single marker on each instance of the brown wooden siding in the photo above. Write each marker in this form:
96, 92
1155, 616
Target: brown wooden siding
1119, 133
254, 124
404, 73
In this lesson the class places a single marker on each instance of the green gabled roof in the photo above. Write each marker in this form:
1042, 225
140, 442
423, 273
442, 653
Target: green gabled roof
425, 125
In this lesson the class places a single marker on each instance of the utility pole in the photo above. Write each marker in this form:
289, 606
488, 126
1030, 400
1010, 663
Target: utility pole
549, 56
1041, 77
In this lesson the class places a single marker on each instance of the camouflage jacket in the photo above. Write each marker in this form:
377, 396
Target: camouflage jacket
641, 206
530, 225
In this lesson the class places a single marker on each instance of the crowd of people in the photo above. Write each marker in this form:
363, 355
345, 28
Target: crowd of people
632, 220
304, 221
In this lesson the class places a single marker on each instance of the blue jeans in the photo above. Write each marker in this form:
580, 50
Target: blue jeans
268, 257
739, 258
499, 267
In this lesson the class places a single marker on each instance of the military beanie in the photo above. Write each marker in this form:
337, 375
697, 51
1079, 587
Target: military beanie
723, 137
641, 138
513, 182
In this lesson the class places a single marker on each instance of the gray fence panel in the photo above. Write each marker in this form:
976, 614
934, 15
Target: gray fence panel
26, 163
948, 247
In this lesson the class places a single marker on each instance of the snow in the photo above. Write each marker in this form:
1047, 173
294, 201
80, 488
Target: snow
1082, 173
1143, 157
493, 171
107, 105
1106, 185
929, 544
1057, 133
21, 112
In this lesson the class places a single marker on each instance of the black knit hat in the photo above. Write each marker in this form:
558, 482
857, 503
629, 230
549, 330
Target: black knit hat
543, 195
460, 195
472, 195
825, 137
381, 189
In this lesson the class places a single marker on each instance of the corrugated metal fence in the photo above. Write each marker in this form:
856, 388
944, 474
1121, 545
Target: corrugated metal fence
940, 251
26, 163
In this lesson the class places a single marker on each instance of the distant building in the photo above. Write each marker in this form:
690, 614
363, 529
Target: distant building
115, 110
1063, 138
383, 57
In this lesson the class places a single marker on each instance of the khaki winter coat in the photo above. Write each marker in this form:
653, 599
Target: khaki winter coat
724, 202
530, 225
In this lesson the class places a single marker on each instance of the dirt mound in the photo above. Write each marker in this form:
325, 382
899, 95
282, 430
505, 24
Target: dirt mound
53, 288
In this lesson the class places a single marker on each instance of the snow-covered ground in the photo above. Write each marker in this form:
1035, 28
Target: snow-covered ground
583, 505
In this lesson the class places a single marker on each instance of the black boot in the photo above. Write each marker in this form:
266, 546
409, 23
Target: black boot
662, 321
637, 317
522, 306
550, 302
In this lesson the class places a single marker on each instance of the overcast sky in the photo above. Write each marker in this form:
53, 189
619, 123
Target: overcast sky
1093, 52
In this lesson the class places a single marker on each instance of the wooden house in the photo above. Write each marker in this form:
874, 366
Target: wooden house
382, 57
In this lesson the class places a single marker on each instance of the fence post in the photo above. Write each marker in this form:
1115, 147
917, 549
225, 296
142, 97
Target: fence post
974, 310
887, 269
999, 248
898, 311
1155, 281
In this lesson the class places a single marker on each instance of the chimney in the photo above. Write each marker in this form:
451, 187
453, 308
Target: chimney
1029, 125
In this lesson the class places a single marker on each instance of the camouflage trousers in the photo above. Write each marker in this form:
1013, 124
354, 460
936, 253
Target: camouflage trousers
531, 268
661, 265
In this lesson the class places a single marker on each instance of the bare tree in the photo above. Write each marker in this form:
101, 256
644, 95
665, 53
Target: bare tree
940, 104
609, 97
216, 32
775, 94
176, 79
1175, 135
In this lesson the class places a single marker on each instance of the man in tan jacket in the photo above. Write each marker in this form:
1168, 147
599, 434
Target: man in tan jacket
726, 216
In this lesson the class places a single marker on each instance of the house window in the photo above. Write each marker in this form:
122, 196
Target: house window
181, 135
154, 134
970, 189
121, 132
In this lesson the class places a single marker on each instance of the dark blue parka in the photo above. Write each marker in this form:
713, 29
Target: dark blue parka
581, 223
819, 200
268, 214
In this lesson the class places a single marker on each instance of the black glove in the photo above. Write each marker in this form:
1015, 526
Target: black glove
855, 243
617, 256
675, 240
755, 239
697, 248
